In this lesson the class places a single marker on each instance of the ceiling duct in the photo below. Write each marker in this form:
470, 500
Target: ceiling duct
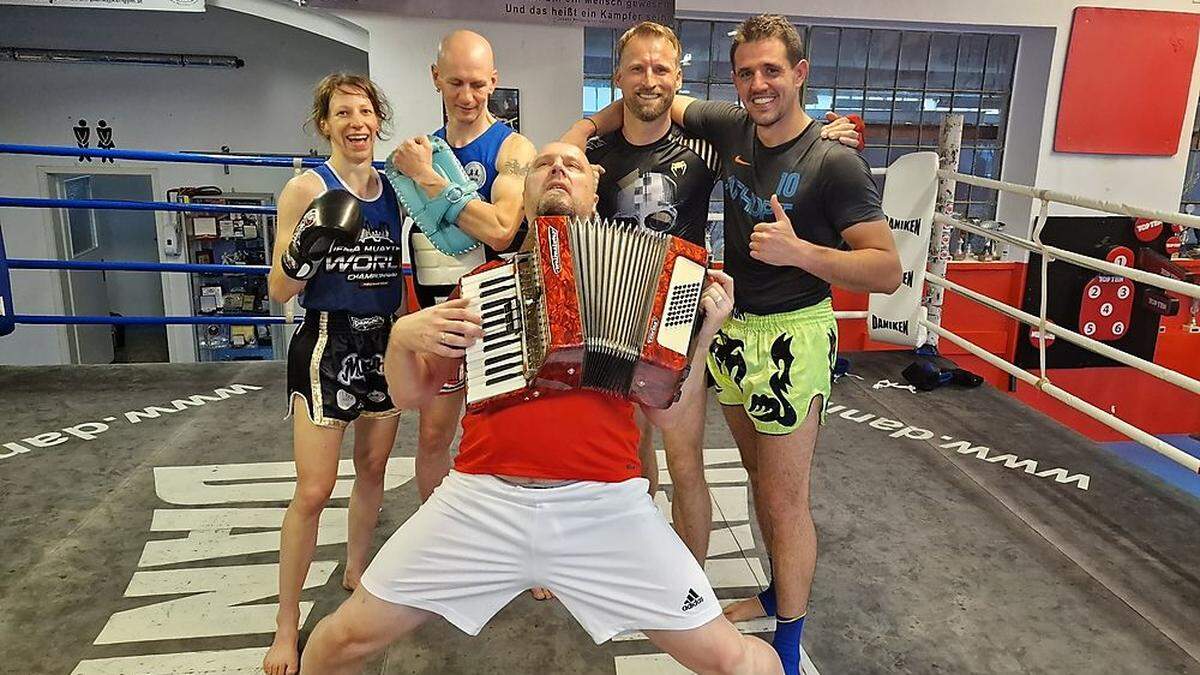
30, 55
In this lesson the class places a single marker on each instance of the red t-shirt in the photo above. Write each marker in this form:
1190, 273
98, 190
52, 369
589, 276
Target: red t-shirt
572, 435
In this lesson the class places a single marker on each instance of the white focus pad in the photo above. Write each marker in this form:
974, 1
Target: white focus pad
683, 297
434, 268
909, 197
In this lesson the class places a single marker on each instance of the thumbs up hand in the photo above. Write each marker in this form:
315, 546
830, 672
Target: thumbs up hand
776, 243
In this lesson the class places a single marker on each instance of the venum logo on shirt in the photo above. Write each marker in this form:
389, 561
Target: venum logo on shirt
650, 199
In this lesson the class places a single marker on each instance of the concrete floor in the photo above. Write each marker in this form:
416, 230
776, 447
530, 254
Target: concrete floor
140, 535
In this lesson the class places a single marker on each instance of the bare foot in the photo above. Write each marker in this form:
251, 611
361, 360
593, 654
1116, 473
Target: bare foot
745, 610
350, 580
282, 658
540, 593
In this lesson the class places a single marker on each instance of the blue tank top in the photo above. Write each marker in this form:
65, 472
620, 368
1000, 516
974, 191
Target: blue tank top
366, 277
479, 156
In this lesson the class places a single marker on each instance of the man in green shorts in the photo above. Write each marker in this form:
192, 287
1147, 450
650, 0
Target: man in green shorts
792, 200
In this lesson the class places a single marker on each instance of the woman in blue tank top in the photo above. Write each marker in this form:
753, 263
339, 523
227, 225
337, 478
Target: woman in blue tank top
335, 358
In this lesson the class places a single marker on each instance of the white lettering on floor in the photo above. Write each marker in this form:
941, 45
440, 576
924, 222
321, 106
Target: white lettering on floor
89, 431
218, 600
221, 600
897, 429
217, 604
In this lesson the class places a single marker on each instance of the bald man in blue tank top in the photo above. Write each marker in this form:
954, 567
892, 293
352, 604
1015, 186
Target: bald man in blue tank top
496, 158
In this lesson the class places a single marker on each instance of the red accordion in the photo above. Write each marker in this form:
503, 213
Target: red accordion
586, 304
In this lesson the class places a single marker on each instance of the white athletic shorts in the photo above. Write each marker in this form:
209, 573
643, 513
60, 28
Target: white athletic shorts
603, 549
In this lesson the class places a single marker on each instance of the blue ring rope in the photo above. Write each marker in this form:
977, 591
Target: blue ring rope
123, 205
134, 266
112, 204
158, 156
117, 266
47, 319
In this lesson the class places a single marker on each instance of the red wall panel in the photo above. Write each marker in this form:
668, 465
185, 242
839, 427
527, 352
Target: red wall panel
1126, 81
1004, 281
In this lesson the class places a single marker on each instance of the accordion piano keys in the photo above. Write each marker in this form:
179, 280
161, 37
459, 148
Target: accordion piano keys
495, 364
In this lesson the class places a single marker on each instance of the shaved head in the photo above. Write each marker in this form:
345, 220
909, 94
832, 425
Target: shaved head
465, 74
465, 46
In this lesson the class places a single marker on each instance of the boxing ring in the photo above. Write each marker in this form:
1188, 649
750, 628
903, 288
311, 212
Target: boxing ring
961, 531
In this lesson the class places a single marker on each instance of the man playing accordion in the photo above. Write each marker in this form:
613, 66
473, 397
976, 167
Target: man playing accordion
545, 492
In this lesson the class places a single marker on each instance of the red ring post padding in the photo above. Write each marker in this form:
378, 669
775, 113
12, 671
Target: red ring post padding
6, 304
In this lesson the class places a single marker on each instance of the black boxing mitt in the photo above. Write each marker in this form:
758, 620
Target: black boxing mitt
965, 378
924, 375
334, 217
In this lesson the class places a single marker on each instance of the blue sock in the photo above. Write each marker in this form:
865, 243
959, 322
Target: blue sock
787, 643
767, 597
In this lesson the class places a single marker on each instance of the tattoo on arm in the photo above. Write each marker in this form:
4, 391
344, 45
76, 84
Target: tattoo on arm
515, 168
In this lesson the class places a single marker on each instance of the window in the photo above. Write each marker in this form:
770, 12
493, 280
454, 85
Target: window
900, 81
903, 82
598, 64
1190, 201
81, 223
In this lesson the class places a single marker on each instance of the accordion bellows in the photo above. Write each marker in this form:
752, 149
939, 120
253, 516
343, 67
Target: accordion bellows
587, 304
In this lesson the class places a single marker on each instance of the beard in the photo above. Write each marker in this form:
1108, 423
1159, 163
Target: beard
555, 203
647, 111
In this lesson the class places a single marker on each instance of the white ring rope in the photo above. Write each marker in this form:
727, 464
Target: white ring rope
1041, 381
1149, 367
1153, 442
1158, 280
1038, 226
1104, 205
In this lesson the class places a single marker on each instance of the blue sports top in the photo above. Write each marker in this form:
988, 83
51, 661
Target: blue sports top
479, 156
366, 277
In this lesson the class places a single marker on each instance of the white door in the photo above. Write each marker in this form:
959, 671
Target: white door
86, 292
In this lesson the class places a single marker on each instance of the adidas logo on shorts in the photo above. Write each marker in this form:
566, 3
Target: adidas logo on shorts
692, 600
